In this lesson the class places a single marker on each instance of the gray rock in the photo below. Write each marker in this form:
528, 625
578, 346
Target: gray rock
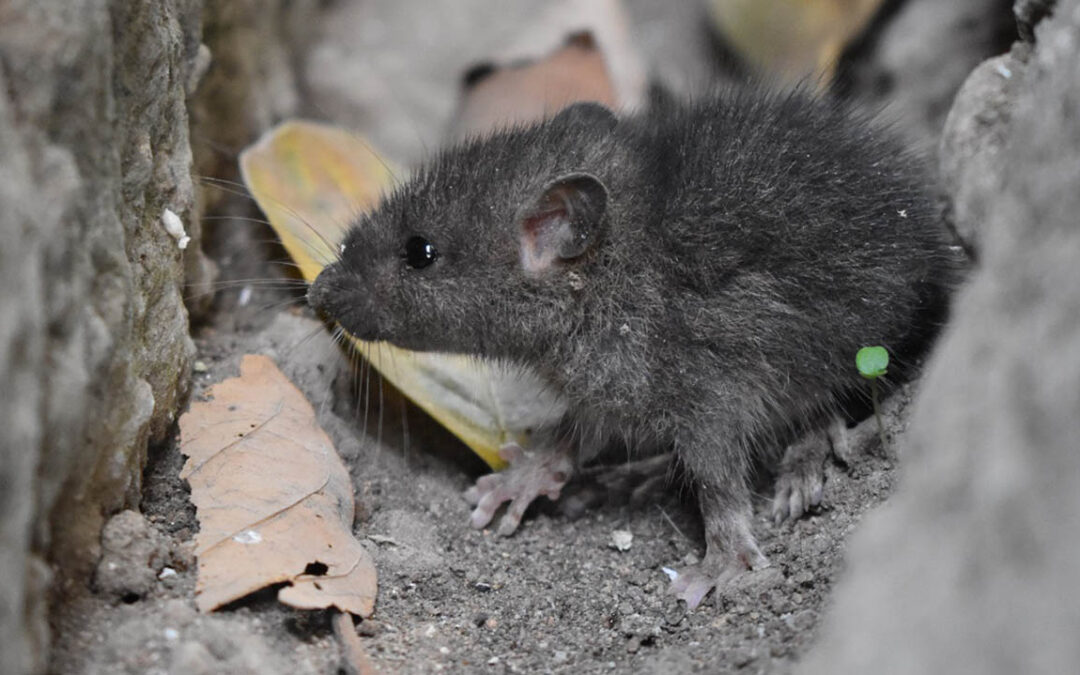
94, 351
972, 567
133, 553
975, 134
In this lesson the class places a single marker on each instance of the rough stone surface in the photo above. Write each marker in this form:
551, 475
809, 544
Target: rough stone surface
133, 554
94, 352
972, 567
972, 143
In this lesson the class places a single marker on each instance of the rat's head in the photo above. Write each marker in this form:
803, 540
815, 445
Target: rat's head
483, 251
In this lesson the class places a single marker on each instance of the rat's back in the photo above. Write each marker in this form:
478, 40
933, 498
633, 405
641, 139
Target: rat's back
789, 232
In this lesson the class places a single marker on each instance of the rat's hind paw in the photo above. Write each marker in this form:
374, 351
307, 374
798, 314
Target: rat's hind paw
530, 474
801, 481
693, 583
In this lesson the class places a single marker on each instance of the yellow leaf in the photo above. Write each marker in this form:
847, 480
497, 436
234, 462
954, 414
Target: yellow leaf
312, 181
792, 38
274, 500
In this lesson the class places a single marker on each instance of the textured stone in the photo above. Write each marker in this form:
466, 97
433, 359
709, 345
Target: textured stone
972, 567
133, 553
975, 134
94, 352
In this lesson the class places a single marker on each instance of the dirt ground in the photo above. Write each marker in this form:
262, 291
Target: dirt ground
556, 597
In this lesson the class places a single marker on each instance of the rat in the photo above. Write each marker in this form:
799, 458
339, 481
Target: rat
694, 277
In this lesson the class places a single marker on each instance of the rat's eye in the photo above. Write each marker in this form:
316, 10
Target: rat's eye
419, 253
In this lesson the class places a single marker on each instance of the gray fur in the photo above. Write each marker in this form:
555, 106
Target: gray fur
750, 244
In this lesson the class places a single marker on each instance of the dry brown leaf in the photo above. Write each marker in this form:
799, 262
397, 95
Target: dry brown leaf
273, 499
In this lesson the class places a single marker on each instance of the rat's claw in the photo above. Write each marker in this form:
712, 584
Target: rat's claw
797, 495
485, 508
529, 475
693, 583
800, 485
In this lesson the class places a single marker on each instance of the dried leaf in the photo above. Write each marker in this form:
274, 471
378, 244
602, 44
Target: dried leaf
312, 180
274, 501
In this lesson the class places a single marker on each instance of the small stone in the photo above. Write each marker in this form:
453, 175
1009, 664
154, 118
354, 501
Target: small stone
802, 621
200, 367
133, 552
633, 645
674, 613
482, 586
621, 540
479, 619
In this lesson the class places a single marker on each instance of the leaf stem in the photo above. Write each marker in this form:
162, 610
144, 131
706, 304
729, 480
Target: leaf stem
877, 413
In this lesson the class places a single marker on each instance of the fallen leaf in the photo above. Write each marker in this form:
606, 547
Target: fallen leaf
794, 39
312, 180
273, 499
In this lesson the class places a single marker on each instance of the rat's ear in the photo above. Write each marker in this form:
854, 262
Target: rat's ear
563, 222
587, 115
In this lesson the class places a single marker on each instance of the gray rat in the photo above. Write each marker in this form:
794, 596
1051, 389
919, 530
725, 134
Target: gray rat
696, 277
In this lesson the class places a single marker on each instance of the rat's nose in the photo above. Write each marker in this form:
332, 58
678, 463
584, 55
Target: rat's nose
318, 295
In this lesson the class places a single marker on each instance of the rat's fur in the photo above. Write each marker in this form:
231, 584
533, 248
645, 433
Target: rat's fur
749, 245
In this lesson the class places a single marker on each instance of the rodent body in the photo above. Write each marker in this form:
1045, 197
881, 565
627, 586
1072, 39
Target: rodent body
697, 277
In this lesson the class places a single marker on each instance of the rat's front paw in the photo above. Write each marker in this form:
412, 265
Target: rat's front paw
530, 474
798, 492
801, 481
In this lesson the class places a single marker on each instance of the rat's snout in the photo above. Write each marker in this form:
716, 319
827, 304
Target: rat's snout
331, 296
319, 295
